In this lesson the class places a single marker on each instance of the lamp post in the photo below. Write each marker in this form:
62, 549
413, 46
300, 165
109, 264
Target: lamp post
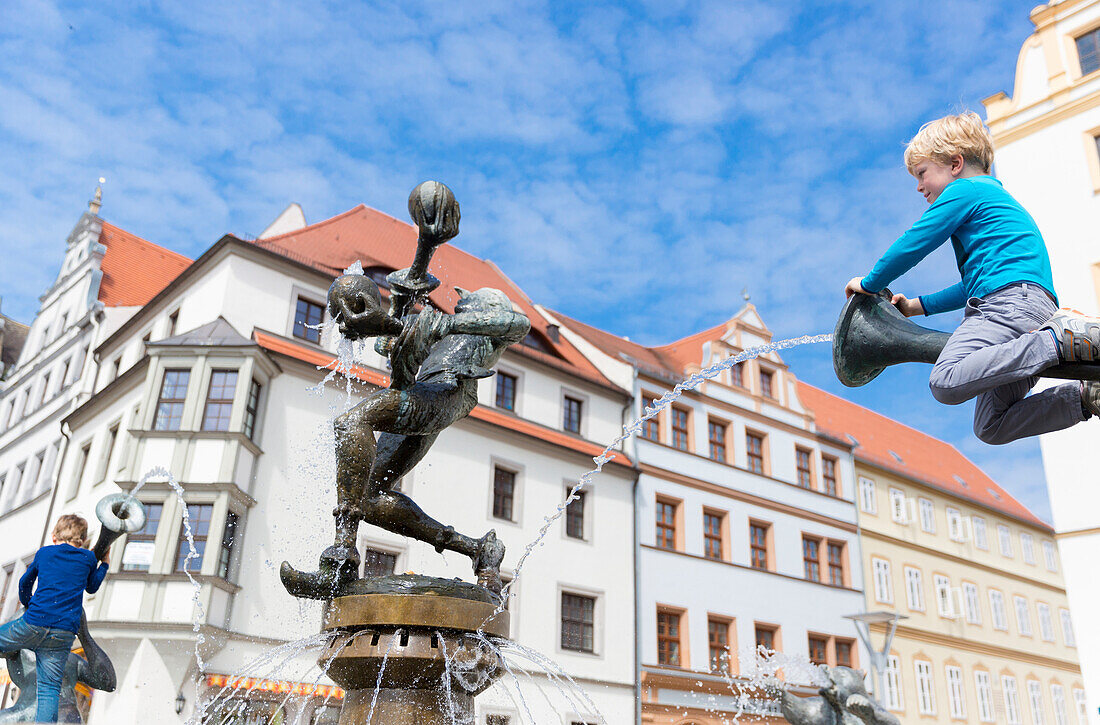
863, 624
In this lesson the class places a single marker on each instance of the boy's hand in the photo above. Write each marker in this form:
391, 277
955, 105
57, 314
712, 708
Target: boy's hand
854, 287
906, 306
107, 557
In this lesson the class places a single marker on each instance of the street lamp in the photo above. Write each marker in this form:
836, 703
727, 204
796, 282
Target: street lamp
863, 624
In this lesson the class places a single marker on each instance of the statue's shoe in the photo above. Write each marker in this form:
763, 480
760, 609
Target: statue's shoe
490, 554
339, 566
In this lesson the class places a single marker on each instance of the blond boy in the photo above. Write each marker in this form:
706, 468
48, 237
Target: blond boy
64, 572
1012, 328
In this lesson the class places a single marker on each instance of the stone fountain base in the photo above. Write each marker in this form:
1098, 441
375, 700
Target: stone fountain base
409, 646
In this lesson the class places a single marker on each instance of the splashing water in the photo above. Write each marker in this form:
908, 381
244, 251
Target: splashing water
691, 383
382, 671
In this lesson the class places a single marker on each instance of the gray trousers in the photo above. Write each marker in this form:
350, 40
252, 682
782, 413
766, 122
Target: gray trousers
996, 355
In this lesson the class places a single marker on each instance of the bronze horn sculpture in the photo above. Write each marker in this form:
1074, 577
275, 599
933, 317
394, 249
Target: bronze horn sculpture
872, 335
120, 513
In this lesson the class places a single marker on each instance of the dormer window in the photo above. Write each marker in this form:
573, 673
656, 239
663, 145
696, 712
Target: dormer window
767, 383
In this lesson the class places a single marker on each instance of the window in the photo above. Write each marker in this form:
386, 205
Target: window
836, 563
899, 509
1082, 706
980, 539
1049, 557
1027, 547
802, 466
997, 610
944, 605
578, 614
116, 366
574, 514
497, 720
892, 686
82, 463
504, 491
651, 427
716, 440
927, 516
926, 696
1046, 622
106, 454
668, 638
378, 563
867, 496
766, 636
173, 323
1058, 701
767, 386
956, 698
680, 428
1035, 701
718, 645
811, 559
955, 528
199, 516
138, 554
914, 589
828, 475
844, 649
758, 545
572, 416
666, 524
970, 601
737, 376
983, 685
251, 408
1023, 617
45, 389
506, 391
817, 649
229, 538
307, 320
754, 452
884, 588
1067, 628
61, 379
712, 534
173, 391
219, 400
1088, 51
1005, 537
1012, 701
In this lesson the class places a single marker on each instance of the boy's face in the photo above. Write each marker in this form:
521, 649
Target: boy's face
932, 178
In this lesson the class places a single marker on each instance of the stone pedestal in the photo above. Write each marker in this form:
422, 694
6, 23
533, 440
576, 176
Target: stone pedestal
420, 657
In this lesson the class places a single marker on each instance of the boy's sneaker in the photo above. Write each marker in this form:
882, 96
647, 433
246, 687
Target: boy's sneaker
1076, 335
1090, 396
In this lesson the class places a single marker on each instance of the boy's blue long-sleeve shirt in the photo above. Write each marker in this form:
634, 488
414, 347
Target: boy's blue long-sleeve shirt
64, 572
996, 243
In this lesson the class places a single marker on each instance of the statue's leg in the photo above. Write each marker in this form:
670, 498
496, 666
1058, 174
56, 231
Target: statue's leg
396, 512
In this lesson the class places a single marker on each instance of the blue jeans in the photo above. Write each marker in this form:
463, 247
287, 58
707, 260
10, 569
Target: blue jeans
51, 649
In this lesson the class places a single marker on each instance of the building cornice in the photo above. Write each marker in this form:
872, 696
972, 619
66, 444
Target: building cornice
992, 650
939, 553
738, 495
1003, 137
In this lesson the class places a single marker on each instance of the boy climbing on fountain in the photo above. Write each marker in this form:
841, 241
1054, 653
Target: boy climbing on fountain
64, 571
1012, 328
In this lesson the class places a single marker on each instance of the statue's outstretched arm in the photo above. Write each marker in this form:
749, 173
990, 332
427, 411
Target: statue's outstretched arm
504, 324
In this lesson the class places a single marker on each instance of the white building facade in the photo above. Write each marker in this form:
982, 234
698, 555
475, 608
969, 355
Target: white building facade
1047, 140
218, 379
746, 523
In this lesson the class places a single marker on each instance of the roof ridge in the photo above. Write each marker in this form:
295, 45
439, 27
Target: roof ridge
317, 225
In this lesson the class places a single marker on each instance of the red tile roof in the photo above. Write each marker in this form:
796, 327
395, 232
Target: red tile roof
298, 351
378, 240
134, 270
922, 457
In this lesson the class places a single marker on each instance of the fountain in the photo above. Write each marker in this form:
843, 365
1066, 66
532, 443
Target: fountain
410, 649
89, 667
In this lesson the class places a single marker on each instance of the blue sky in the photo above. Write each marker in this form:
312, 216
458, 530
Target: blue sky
634, 165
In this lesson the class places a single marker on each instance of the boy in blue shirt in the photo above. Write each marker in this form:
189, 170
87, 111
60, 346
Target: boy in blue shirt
1012, 328
64, 572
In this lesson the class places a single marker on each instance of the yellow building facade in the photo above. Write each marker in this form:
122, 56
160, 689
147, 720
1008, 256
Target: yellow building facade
988, 636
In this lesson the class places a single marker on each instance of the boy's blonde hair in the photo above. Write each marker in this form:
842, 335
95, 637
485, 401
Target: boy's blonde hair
71, 529
963, 135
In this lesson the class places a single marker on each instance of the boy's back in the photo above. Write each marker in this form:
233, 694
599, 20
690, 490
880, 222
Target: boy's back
64, 573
